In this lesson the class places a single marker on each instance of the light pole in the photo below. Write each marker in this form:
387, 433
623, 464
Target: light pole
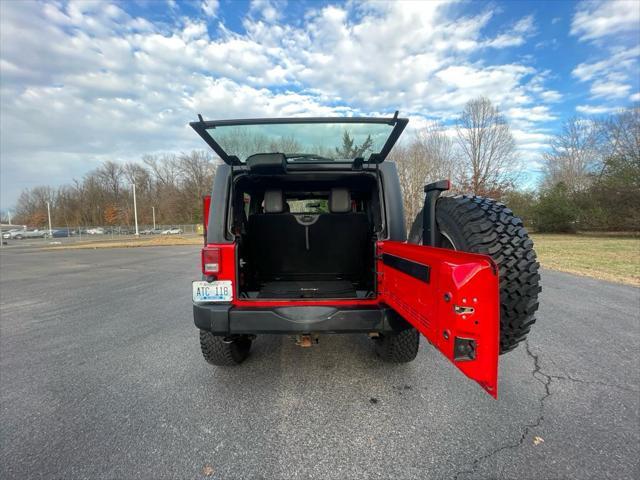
135, 209
49, 216
9, 215
153, 210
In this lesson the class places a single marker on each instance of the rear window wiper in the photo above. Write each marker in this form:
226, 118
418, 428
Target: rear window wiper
308, 156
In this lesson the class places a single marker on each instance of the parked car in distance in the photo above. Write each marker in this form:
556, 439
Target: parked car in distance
20, 234
172, 231
8, 233
95, 231
60, 233
156, 231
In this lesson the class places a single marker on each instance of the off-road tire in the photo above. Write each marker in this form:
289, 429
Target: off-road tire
222, 354
481, 225
398, 347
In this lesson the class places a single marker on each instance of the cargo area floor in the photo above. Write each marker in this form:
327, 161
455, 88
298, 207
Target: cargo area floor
308, 289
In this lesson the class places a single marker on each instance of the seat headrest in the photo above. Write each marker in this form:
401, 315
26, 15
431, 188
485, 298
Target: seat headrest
273, 201
340, 200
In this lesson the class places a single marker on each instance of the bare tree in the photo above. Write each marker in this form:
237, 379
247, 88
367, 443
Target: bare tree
574, 156
196, 176
163, 167
488, 149
621, 132
32, 205
427, 158
138, 174
110, 174
197, 170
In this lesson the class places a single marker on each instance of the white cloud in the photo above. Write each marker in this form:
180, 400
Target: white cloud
531, 143
614, 28
267, 10
116, 86
635, 97
524, 28
595, 20
540, 113
210, 7
620, 60
194, 31
594, 109
550, 96
606, 89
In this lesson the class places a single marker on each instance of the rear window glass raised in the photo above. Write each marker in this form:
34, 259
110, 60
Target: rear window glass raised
303, 142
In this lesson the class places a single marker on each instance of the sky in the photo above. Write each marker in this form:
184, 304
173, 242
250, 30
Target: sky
84, 82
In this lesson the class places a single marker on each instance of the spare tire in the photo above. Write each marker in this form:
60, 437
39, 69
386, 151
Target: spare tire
481, 225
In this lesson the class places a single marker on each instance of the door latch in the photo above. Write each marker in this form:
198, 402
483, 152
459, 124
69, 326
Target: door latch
462, 310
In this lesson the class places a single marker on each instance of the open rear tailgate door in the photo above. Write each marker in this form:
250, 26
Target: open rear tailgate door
452, 298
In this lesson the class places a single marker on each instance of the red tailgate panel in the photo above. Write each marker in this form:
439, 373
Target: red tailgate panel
452, 298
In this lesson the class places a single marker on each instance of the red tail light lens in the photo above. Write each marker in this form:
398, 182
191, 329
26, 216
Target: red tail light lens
211, 261
206, 206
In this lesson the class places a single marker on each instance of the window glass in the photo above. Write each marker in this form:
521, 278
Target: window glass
308, 205
313, 142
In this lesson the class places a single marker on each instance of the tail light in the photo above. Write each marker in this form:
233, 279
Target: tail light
210, 260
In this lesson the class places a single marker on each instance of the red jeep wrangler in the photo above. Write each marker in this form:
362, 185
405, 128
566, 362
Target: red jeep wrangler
305, 235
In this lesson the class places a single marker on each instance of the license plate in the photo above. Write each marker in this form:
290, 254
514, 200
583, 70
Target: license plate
218, 291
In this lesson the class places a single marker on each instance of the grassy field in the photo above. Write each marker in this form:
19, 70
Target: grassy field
607, 257
151, 241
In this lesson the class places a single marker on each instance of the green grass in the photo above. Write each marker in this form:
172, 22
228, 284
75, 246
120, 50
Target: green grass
605, 256
148, 241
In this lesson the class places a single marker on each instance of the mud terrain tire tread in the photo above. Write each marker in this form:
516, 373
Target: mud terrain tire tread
482, 225
398, 347
222, 354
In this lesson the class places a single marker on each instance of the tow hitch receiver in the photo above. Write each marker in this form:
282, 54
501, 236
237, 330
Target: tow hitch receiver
306, 341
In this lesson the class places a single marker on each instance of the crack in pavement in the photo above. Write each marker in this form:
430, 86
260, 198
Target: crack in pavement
593, 382
546, 381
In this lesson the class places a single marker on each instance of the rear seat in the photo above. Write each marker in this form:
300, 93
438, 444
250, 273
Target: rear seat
330, 246
344, 237
276, 239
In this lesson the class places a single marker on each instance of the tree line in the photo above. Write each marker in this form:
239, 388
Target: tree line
171, 186
590, 178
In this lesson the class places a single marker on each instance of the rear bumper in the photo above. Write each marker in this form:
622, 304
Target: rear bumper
229, 320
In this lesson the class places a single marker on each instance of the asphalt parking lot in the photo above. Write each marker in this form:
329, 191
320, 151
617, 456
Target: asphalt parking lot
101, 377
